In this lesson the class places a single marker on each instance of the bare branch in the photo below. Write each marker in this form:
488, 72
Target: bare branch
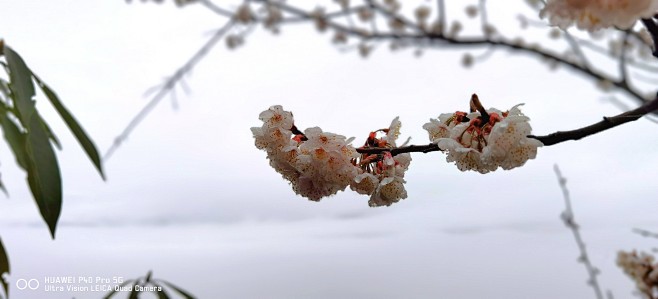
605, 124
168, 86
570, 221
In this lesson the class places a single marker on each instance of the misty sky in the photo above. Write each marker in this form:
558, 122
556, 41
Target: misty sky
190, 197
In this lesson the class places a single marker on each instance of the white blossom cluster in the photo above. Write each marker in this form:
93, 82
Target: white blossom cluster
592, 15
319, 164
383, 180
484, 145
324, 163
642, 269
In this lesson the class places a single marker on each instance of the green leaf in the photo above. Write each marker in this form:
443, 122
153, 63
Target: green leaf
50, 134
178, 290
4, 88
43, 174
74, 126
4, 268
16, 140
111, 293
20, 82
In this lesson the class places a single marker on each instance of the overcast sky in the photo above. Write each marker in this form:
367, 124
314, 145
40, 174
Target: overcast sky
190, 197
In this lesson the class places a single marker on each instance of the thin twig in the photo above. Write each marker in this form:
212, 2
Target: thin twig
645, 233
569, 220
576, 48
167, 88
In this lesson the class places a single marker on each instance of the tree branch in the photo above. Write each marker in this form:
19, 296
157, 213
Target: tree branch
167, 87
605, 124
653, 29
548, 140
569, 220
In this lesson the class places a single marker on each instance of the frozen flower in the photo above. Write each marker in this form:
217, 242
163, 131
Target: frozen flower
393, 132
324, 162
317, 163
440, 128
592, 15
275, 133
391, 184
382, 175
484, 144
365, 183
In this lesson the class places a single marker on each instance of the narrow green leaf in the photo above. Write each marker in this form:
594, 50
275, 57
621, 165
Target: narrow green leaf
73, 125
16, 140
50, 133
20, 82
4, 88
111, 293
178, 290
4, 268
43, 174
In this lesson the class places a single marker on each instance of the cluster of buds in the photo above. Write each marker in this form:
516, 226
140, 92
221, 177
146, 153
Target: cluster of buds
642, 269
319, 164
593, 15
484, 140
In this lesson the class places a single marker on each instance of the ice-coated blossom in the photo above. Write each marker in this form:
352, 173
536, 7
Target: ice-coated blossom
391, 184
317, 163
474, 143
592, 15
642, 269
382, 175
324, 161
275, 133
440, 128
